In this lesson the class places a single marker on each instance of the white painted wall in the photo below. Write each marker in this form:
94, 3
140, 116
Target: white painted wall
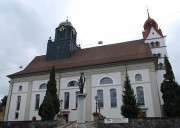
35, 91
13, 104
153, 34
33, 111
107, 110
94, 78
72, 95
16, 87
144, 73
160, 78
163, 50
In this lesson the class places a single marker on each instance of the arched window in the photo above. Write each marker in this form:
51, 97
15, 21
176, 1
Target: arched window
66, 100
157, 44
73, 83
161, 66
100, 98
20, 88
18, 102
113, 97
43, 86
106, 80
37, 101
140, 95
138, 77
159, 55
152, 44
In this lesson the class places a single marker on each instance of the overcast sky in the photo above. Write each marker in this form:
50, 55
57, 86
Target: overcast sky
26, 26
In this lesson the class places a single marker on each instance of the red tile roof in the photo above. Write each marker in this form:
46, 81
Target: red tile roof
131, 50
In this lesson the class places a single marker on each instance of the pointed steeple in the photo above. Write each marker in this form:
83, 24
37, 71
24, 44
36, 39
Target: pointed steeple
148, 13
149, 24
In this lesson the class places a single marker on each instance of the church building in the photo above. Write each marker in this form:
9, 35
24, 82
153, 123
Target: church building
104, 68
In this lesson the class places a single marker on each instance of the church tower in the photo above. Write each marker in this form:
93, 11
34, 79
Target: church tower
64, 43
156, 40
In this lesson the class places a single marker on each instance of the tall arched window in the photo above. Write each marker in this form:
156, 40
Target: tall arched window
73, 83
66, 100
43, 86
140, 95
20, 88
113, 96
106, 80
138, 77
100, 98
18, 102
37, 101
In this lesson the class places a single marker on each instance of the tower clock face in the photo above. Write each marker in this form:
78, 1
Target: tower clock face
61, 28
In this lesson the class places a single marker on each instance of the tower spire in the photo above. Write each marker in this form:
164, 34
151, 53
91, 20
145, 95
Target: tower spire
147, 11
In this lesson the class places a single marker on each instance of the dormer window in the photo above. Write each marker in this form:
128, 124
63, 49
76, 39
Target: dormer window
20, 88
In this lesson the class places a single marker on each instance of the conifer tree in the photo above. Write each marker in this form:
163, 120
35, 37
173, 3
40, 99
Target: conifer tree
130, 107
50, 97
168, 89
46, 110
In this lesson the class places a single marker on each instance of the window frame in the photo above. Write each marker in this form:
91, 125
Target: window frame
18, 104
140, 95
43, 86
113, 99
16, 116
74, 83
106, 80
100, 98
157, 44
20, 88
138, 77
37, 101
66, 100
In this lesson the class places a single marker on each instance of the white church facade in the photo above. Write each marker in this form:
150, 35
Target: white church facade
104, 68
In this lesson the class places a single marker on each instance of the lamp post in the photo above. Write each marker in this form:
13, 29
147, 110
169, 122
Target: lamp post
60, 115
99, 105
96, 98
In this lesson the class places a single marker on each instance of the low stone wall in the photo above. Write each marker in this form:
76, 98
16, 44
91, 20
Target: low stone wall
144, 123
28, 124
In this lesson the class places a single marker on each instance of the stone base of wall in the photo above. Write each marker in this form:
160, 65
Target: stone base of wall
144, 123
